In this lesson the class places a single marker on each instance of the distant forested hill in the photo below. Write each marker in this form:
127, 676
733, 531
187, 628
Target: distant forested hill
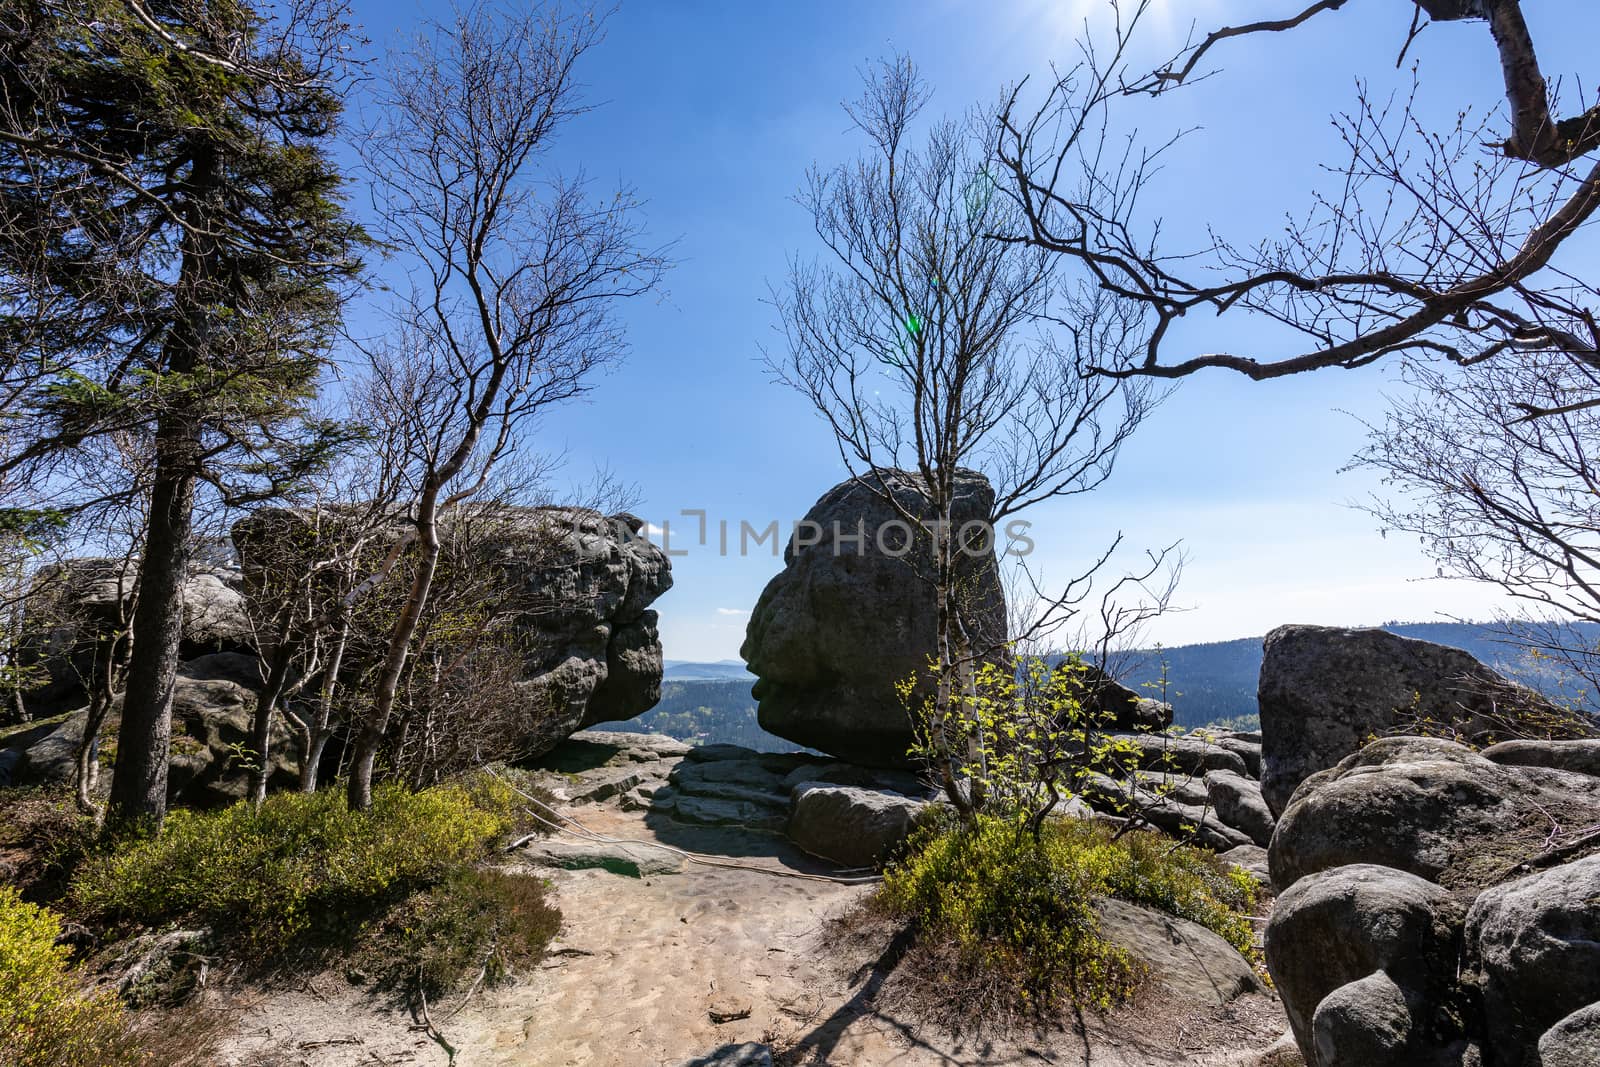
706, 712
710, 703
1215, 682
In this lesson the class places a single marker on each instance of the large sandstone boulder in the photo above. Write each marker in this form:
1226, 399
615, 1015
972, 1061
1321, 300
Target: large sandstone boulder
851, 826
1187, 960
1431, 807
1365, 959
213, 703
1533, 950
1110, 705
577, 586
1324, 692
73, 605
847, 620
1574, 1041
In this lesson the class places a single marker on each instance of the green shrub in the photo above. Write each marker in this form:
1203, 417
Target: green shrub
45, 1021
1016, 913
476, 922
44, 837
298, 863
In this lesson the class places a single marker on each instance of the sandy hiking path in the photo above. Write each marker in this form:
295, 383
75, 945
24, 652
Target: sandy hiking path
655, 970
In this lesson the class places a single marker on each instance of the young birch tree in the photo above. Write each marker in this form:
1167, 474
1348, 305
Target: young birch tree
922, 344
516, 271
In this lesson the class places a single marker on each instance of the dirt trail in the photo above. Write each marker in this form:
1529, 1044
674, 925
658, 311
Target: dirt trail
645, 966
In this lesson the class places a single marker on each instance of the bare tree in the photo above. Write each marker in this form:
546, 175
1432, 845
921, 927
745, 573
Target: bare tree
1500, 496
922, 345
1447, 248
517, 273
1429, 244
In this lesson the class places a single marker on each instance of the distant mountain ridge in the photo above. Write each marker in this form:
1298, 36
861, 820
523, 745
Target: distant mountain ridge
680, 670
1216, 681
1205, 683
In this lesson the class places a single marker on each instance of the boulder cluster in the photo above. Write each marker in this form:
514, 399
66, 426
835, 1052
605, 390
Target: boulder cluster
1439, 904
577, 585
851, 815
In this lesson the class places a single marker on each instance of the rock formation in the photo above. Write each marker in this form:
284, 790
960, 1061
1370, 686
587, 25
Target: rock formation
1439, 906
1325, 692
852, 614
579, 586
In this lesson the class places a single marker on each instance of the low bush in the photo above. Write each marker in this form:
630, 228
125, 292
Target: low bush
45, 1020
484, 925
1003, 922
298, 864
43, 837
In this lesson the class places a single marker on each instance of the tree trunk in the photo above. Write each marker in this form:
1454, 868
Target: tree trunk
383, 698
261, 724
319, 732
139, 786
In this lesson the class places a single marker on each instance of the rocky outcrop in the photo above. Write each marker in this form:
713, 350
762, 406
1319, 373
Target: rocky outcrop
852, 614
1431, 807
1373, 944
1238, 803
849, 815
1197, 788
1189, 961
1364, 958
73, 605
213, 701
1533, 952
1574, 1041
577, 587
1325, 692
1110, 705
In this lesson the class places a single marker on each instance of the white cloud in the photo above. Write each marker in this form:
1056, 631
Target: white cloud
733, 611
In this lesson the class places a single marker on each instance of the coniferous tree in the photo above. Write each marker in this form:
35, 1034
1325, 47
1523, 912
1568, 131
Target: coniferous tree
172, 246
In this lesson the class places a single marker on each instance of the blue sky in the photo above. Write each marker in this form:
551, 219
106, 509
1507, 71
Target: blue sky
713, 111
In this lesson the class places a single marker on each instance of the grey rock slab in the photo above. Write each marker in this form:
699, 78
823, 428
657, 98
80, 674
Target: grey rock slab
1533, 946
1189, 960
634, 861
852, 827
1574, 1041
1325, 691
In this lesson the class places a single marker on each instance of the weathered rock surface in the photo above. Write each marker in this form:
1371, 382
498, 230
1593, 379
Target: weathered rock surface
1238, 803
76, 603
1110, 705
1574, 1041
1395, 938
845, 621
1325, 691
213, 703
635, 861
1178, 805
1533, 950
1577, 756
578, 587
1430, 807
851, 826
1187, 959
1252, 859
1169, 753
